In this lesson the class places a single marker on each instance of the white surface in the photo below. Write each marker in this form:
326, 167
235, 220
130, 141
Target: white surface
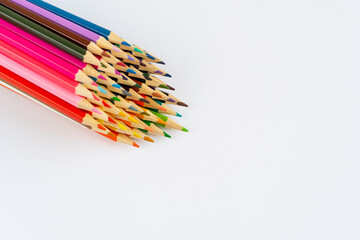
273, 151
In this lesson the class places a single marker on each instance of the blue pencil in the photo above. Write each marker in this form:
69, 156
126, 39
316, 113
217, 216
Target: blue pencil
109, 35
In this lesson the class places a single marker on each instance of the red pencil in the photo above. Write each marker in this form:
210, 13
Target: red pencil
59, 105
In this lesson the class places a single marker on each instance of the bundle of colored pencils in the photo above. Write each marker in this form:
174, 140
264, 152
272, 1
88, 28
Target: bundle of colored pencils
84, 72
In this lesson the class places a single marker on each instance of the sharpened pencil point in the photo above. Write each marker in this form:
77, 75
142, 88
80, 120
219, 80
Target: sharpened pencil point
161, 62
137, 85
148, 139
125, 44
112, 120
131, 119
95, 110
105, 54
171, 88
95, 97
101, 127
161, 122
138, 50
164, 86
171, 100
131, 71
115, 99
144, 100
167, 75
147, 128
102, 90
116, 86
149, 56
182, 104
130, 58
184, 130
121, 64
117, 72
102, 77
116, 49
155, 94
136, 134
126, 93
178, 115
135, 145
167, 135
132, 108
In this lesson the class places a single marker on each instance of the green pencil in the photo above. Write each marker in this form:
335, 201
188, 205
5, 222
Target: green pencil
48, 36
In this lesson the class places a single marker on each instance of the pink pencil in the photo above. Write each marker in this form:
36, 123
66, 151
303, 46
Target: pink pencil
86, 68
64, 92
67, 57
46, 57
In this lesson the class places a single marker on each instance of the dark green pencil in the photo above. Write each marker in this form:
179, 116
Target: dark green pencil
48, 36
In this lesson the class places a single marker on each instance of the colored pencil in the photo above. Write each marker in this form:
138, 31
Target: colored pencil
99, 40
45, 71
44, 56
47, 36
111, 36
84, 72
88, 69
51, 100
64, 92
82, 42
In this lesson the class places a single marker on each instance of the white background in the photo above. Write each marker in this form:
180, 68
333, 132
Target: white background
273, 147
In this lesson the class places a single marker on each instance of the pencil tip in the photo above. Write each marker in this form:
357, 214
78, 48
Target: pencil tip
144, 100
185, 130
155, 94
167, 135
101, 127
171, 100
115, 99
112, 120
102, 90
121, 64
131, 71
116, 86
148, 139
137, 85
167, 75
130, 58
138, 50
147, 128
178, 115
133, 108
171, 88
95, 110
149, 56
135, 145
126, 93
105, 54
182, 104
161, 62
164, 86
125, 43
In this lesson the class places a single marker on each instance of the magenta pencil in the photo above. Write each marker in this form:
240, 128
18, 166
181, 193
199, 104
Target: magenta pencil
44, 56
99, 40
59, 91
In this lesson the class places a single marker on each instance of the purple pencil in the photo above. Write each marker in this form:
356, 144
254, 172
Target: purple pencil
99, 40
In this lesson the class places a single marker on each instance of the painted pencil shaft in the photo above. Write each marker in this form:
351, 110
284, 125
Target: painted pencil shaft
47, 36
50, 100
63, 32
